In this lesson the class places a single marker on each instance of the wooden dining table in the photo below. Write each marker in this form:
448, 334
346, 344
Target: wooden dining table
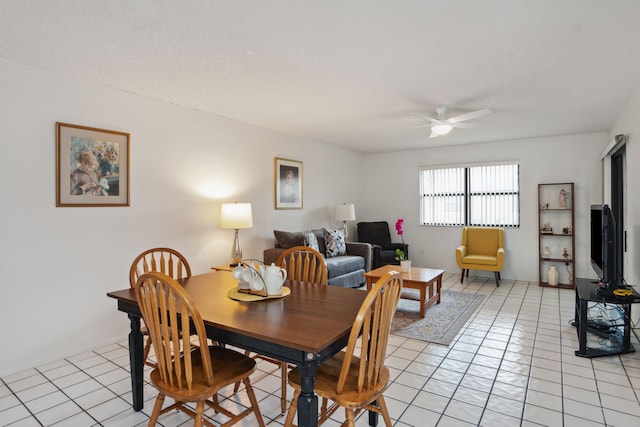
304, 328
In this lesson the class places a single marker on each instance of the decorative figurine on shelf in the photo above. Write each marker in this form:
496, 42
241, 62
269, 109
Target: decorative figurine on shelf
546, 252
562, 198
546, 229
565, 254
544, 206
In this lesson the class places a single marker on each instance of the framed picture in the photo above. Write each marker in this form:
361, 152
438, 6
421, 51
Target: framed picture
288, 184
92, 166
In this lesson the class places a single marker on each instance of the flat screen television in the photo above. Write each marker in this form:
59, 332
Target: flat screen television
603, 250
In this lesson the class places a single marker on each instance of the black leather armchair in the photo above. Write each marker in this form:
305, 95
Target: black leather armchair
377, 233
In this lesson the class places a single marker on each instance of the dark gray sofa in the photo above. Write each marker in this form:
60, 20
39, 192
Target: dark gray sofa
345, 270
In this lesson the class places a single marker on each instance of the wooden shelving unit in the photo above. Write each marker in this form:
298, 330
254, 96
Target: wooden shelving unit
556, 233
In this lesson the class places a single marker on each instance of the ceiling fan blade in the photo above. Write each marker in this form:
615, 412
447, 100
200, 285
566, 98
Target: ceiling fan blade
462, 125
416, 127
433, 134
422, 116
469, 116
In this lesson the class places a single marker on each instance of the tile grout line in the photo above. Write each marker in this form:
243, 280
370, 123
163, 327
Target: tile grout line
117, 396
22, 403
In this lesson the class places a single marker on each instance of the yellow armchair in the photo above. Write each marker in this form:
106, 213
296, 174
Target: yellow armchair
482, 248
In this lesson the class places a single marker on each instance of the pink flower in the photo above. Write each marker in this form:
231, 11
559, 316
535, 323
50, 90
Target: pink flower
400, 253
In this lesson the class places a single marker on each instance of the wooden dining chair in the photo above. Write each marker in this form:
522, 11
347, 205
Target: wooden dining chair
303, 264
356, 378
163, 260
188, 376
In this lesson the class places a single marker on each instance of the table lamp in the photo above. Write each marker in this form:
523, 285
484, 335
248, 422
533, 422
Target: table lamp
236, 216
345, 213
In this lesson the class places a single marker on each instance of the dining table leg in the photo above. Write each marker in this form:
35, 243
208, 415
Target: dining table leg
136, 355
308, 400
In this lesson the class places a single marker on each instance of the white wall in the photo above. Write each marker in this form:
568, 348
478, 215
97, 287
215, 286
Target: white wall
59, 263
573, 158
628, 123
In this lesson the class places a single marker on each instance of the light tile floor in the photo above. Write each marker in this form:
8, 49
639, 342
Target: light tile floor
511, 364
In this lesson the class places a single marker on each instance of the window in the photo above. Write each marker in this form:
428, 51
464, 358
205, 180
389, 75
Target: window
484, 195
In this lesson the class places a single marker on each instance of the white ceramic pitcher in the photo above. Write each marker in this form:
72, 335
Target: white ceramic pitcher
274, 278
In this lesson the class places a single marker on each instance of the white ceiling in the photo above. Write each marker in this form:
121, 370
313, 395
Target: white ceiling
349, 72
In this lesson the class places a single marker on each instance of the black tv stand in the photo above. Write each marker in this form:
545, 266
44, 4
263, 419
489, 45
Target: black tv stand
603, 320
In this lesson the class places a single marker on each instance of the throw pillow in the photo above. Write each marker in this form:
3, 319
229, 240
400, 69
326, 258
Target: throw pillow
334, 241
320, 238
310, 240
288, 239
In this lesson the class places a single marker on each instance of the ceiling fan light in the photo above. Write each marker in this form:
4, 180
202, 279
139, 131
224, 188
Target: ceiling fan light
441, 129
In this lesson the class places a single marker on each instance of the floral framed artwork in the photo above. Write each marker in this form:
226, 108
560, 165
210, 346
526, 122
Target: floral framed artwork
92, 166
288, 184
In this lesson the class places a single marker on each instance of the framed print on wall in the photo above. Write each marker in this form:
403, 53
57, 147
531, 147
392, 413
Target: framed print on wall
288, 184
92, 166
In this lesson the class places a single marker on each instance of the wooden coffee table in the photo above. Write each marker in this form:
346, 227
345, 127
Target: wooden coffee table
418, 278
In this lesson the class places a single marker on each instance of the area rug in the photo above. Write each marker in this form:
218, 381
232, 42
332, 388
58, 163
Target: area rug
441, 322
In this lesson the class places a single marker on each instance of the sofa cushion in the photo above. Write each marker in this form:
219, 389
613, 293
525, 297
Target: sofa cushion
338, 266
288, 239
311, 240
334, 241
355, 279
480, 259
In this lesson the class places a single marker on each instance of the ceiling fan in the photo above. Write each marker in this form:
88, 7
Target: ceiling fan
442, 123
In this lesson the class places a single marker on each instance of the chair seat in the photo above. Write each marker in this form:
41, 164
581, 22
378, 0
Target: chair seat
228, 367
327, 378
480, 260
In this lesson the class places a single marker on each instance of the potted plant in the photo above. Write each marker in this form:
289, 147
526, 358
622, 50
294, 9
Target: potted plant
405, 264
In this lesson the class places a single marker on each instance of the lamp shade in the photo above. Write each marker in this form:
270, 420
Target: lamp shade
236, 215
345, 213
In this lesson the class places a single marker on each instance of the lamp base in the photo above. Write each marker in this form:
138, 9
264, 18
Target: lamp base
345, 231
236, 252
